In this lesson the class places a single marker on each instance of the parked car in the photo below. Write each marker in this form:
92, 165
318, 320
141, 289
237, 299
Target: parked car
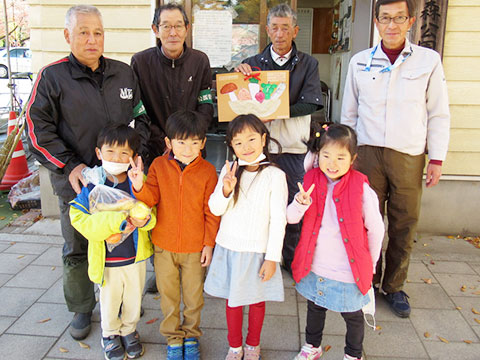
20, 61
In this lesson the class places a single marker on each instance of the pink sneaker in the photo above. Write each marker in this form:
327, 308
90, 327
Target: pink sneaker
308, 352
232, 355
252, 352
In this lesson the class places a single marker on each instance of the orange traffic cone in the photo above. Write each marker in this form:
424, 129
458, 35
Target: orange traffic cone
18, 168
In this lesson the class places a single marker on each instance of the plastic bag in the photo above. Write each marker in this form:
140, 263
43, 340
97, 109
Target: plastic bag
26, 193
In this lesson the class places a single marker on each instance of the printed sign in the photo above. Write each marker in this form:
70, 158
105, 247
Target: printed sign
263, 93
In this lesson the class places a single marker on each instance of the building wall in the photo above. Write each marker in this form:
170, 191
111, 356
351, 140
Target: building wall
126, 22
462, 69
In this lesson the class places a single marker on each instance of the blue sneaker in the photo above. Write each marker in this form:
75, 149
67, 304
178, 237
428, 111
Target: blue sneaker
175, 352
191, 349
398, 302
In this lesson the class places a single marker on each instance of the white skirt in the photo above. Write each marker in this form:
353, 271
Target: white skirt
234, 276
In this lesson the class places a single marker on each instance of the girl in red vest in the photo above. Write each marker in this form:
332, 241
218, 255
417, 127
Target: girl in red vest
340, 242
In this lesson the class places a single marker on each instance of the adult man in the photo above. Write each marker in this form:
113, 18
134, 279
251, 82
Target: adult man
396, 99
305, 98
73, 99
171, 75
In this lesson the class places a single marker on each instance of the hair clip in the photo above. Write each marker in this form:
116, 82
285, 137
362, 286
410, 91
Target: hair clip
325, 126
317, 134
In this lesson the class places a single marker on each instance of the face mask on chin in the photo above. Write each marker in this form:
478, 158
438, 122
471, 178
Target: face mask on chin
114, 168
256, 161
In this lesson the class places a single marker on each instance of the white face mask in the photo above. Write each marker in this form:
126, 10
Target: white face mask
114, 168
256, 161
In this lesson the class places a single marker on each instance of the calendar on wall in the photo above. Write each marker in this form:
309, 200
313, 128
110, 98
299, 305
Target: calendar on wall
344, 14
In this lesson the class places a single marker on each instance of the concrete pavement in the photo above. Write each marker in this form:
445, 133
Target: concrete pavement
443, 285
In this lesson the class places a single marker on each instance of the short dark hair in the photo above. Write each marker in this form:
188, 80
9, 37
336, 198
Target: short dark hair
340, 134
183, 124
170, 6
411, 5
119, 134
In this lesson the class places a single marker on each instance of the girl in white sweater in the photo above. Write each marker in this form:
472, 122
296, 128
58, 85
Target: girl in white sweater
251, 197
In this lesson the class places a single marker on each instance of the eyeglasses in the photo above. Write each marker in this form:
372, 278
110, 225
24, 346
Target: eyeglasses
166, 28
396, 19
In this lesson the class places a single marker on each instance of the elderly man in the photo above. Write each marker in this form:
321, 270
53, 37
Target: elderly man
171, 75
305, 98
71, 101
396, 99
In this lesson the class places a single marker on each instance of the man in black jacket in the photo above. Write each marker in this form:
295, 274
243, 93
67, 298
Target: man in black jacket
71, 101
305, 98
171, 75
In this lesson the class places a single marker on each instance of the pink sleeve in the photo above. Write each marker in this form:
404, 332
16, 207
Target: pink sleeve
295, 211
373, 223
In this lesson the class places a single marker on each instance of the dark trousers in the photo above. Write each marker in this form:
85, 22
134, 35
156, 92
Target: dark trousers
77, 287
292, 165
397, 180
355, 329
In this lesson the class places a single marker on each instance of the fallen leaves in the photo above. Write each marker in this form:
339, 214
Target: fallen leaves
427, 281
151, 321
476, 293
63, 350
426, 334
475, 311
83, 345
2, 217
157, 297
474, 240
20, 256
378, 327
53, 268
13, 242
44, 320
432, 262
467, 341
443, 340
463, 288
458, 308
477, 320
326, 348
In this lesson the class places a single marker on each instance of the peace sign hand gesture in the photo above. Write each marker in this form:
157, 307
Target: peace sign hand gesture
303, 197
136, 174
229, 180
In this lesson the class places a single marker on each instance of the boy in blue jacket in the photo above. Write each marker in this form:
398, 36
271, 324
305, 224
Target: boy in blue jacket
120, 272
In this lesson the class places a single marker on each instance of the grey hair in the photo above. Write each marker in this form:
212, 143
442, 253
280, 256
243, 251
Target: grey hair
71, 15
282, 10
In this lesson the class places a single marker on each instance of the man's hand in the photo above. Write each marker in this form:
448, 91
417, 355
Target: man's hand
206, 258
245, 69
433, 175
267, 270
76, 176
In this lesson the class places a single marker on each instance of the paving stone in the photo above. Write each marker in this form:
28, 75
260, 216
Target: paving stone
13, 263
30, 323
51, 257
441, 248
46, 226
442, 351
476, 267
448, 324
38, 277
394, 338
16, 347
4, 246
274, 329
29, 238
214, 344
75, 351
476, 329
287, 307
450, 267
427, 296
5, 322
452, 283
151, 301
150, 332
276, 355
15, 301
418, 271
4, 278
288, 281
213, 314
26, 248
54, 294
466, 304
384, 313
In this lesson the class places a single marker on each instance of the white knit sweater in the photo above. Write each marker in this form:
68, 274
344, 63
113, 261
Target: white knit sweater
256, 223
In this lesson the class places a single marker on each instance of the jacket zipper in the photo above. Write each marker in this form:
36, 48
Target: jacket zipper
180, 192
173, 63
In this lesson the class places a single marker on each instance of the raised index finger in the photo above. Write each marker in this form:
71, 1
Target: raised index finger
300, 187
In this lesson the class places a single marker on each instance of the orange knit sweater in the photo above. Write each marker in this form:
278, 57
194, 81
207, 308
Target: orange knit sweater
184, 221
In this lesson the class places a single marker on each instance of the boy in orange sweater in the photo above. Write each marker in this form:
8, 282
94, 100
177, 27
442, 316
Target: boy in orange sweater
179, 184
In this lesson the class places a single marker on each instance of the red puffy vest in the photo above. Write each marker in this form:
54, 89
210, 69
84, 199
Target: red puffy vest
347, 195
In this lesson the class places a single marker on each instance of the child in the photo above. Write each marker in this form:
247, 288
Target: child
252, 202
340, 242
120, 272
180, 184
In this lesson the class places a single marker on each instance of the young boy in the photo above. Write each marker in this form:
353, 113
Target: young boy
180, 184
120, 272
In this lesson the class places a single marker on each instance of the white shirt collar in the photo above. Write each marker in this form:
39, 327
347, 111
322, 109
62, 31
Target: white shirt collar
280, 59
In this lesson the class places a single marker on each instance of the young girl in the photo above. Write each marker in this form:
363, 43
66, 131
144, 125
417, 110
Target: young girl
340, 242
251, 196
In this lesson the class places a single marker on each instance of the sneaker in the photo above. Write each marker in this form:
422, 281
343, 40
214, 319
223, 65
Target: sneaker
308, 352
348, 357
80, 325
191, 349
251, 352
113, 348
133, 346
234, 355
398, 302
175, 352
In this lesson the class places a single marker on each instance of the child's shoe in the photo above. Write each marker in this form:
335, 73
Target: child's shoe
113, 348
175, 352
251, 352
308, 352
234, 355
348, 357
133, 346
191, 349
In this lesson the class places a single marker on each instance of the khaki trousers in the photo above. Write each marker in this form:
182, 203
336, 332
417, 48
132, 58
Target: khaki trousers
123, 288
179, 275
397, 179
